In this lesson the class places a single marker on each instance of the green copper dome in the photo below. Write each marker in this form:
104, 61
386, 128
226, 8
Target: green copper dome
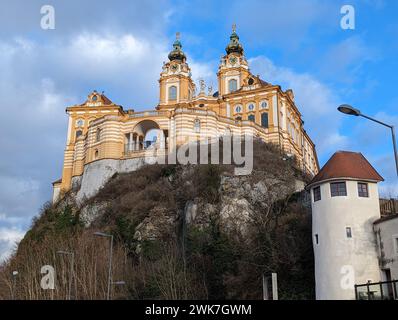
177, 53
234, 45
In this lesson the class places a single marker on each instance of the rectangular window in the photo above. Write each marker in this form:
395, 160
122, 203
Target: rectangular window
317, 193
264, 119
348, 232
395, 238
338, 189
363, 190
316, 239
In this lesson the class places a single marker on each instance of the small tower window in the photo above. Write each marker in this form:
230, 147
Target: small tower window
251, 81
173, 93
338, 189
348, 232
238, 118
78, 133
197, 125
98, 135
80, 123
96, 154
251, 117
232, 85
264, 119
251, 107
363, 190
316, 238
317, 193
238, 109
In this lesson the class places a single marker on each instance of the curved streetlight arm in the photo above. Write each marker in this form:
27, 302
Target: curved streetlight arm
378, 121
394, 143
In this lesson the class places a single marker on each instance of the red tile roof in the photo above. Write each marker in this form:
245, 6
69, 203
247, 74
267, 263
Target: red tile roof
346, 164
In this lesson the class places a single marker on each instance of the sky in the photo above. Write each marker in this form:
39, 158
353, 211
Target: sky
119, 47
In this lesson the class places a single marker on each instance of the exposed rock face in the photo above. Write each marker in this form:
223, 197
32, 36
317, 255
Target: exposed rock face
97, 173
92, 211
156, 225
240, 197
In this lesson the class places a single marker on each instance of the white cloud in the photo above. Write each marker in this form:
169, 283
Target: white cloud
9, 237
315, 100
280, 26
344, 61
39, 80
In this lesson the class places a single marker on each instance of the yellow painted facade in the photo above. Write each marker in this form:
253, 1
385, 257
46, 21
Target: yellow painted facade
99, 129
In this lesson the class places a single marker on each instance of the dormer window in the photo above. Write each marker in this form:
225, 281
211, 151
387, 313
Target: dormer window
250, 82
94, 98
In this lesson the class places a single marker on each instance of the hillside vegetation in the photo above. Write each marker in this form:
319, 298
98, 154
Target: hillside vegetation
180, 232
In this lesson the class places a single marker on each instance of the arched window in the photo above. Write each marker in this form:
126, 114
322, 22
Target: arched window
264, 119
238, 109
197, 125
78, 133
251, 117
227, 132
264, 105
173, 93
250, 107
232, 85
98, 135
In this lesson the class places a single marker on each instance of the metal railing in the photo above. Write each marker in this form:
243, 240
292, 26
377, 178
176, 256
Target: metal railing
147, 114
388, 206
144, 149
385, 290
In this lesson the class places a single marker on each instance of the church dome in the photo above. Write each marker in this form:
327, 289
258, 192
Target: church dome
234, 45
177, 53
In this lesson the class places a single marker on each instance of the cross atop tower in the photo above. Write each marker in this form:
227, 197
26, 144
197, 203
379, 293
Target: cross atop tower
233, 27
177, 35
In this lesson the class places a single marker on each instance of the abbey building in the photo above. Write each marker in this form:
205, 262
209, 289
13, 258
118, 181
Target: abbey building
100, 130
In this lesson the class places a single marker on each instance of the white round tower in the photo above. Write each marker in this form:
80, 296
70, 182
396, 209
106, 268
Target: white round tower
345, 203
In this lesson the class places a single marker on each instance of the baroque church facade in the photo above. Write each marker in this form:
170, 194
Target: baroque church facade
99, 129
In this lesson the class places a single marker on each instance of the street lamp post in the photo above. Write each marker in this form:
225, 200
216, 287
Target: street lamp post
14, 284
72, 263
347, 109
101, 234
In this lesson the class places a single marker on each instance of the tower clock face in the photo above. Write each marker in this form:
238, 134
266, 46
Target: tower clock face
174, 68
232, 60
